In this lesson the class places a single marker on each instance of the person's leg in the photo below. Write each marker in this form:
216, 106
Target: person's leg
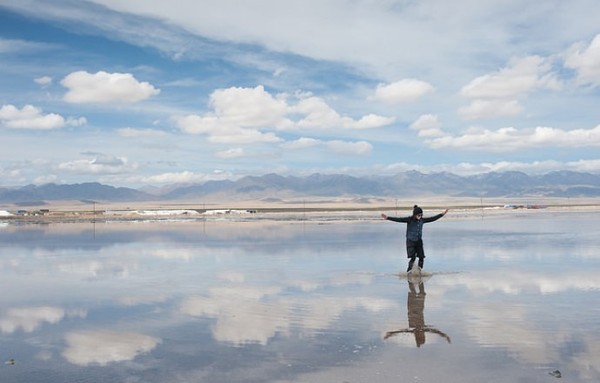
411, 252
421, 254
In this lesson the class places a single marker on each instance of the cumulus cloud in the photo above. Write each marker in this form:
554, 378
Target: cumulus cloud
250, 115
496, 95
428, 125
223, 134
237, 116
103, 347
103, 87
249, 107
30, 117
319, 115
406, 90
521, 76
585, 60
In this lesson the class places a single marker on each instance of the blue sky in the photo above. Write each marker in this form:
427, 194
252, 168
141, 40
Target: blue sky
135, 93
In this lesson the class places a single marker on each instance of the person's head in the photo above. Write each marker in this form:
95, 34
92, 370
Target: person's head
417, 212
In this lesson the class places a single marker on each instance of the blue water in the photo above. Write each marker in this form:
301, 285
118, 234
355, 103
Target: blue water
510, 299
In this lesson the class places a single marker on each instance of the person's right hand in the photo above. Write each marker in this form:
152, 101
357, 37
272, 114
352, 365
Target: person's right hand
383, 216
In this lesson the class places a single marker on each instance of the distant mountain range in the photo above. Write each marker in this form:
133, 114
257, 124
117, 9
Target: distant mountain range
275, 187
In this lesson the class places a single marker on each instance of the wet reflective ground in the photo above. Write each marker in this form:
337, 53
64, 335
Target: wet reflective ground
510, 299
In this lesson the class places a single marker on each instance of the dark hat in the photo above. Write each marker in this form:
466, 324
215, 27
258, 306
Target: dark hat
417, 210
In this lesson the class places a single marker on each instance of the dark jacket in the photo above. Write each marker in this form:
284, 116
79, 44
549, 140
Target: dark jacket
414, 227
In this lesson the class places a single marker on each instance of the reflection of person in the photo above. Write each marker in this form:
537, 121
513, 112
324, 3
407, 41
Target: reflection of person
414, 233
416, 320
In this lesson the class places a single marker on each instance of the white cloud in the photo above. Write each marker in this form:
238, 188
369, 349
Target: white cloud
30, 319
369, 121
103, 87
387, 37
445, 52
43, 81
241, 116
585, 60
143, 299
30, 117
360, 148
469, 168
496, 95
487, 328
223, 134
182, 177
521, 76
22, 46
238, 313
140, 133
238, 114
249, 107
511, 139
231, 153
176, 177
239, 310
481, 109
104, 347
76, 121
346, 148
45, 179
301, 143
406, 90
428, 126
319, 115
98, 165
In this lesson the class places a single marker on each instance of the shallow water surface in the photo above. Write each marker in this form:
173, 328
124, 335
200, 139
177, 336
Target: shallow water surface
509, 299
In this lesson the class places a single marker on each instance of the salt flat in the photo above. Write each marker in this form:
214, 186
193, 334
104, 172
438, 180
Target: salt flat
510, 297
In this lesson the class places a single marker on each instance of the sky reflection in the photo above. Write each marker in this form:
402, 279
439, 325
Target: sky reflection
509, 300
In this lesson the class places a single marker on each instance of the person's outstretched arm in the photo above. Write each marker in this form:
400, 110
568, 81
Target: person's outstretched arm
435, 217
395, 219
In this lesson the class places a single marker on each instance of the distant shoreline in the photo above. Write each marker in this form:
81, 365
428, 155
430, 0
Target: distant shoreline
315, 209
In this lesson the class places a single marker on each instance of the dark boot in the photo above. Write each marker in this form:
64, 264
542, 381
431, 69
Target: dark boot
410, 264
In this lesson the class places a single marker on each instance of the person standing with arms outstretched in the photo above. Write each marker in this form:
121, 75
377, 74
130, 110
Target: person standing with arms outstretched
414, 233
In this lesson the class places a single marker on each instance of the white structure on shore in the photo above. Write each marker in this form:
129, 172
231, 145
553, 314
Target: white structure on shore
226, 211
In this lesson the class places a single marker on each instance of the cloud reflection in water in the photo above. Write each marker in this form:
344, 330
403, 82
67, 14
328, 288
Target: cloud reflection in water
301, 302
